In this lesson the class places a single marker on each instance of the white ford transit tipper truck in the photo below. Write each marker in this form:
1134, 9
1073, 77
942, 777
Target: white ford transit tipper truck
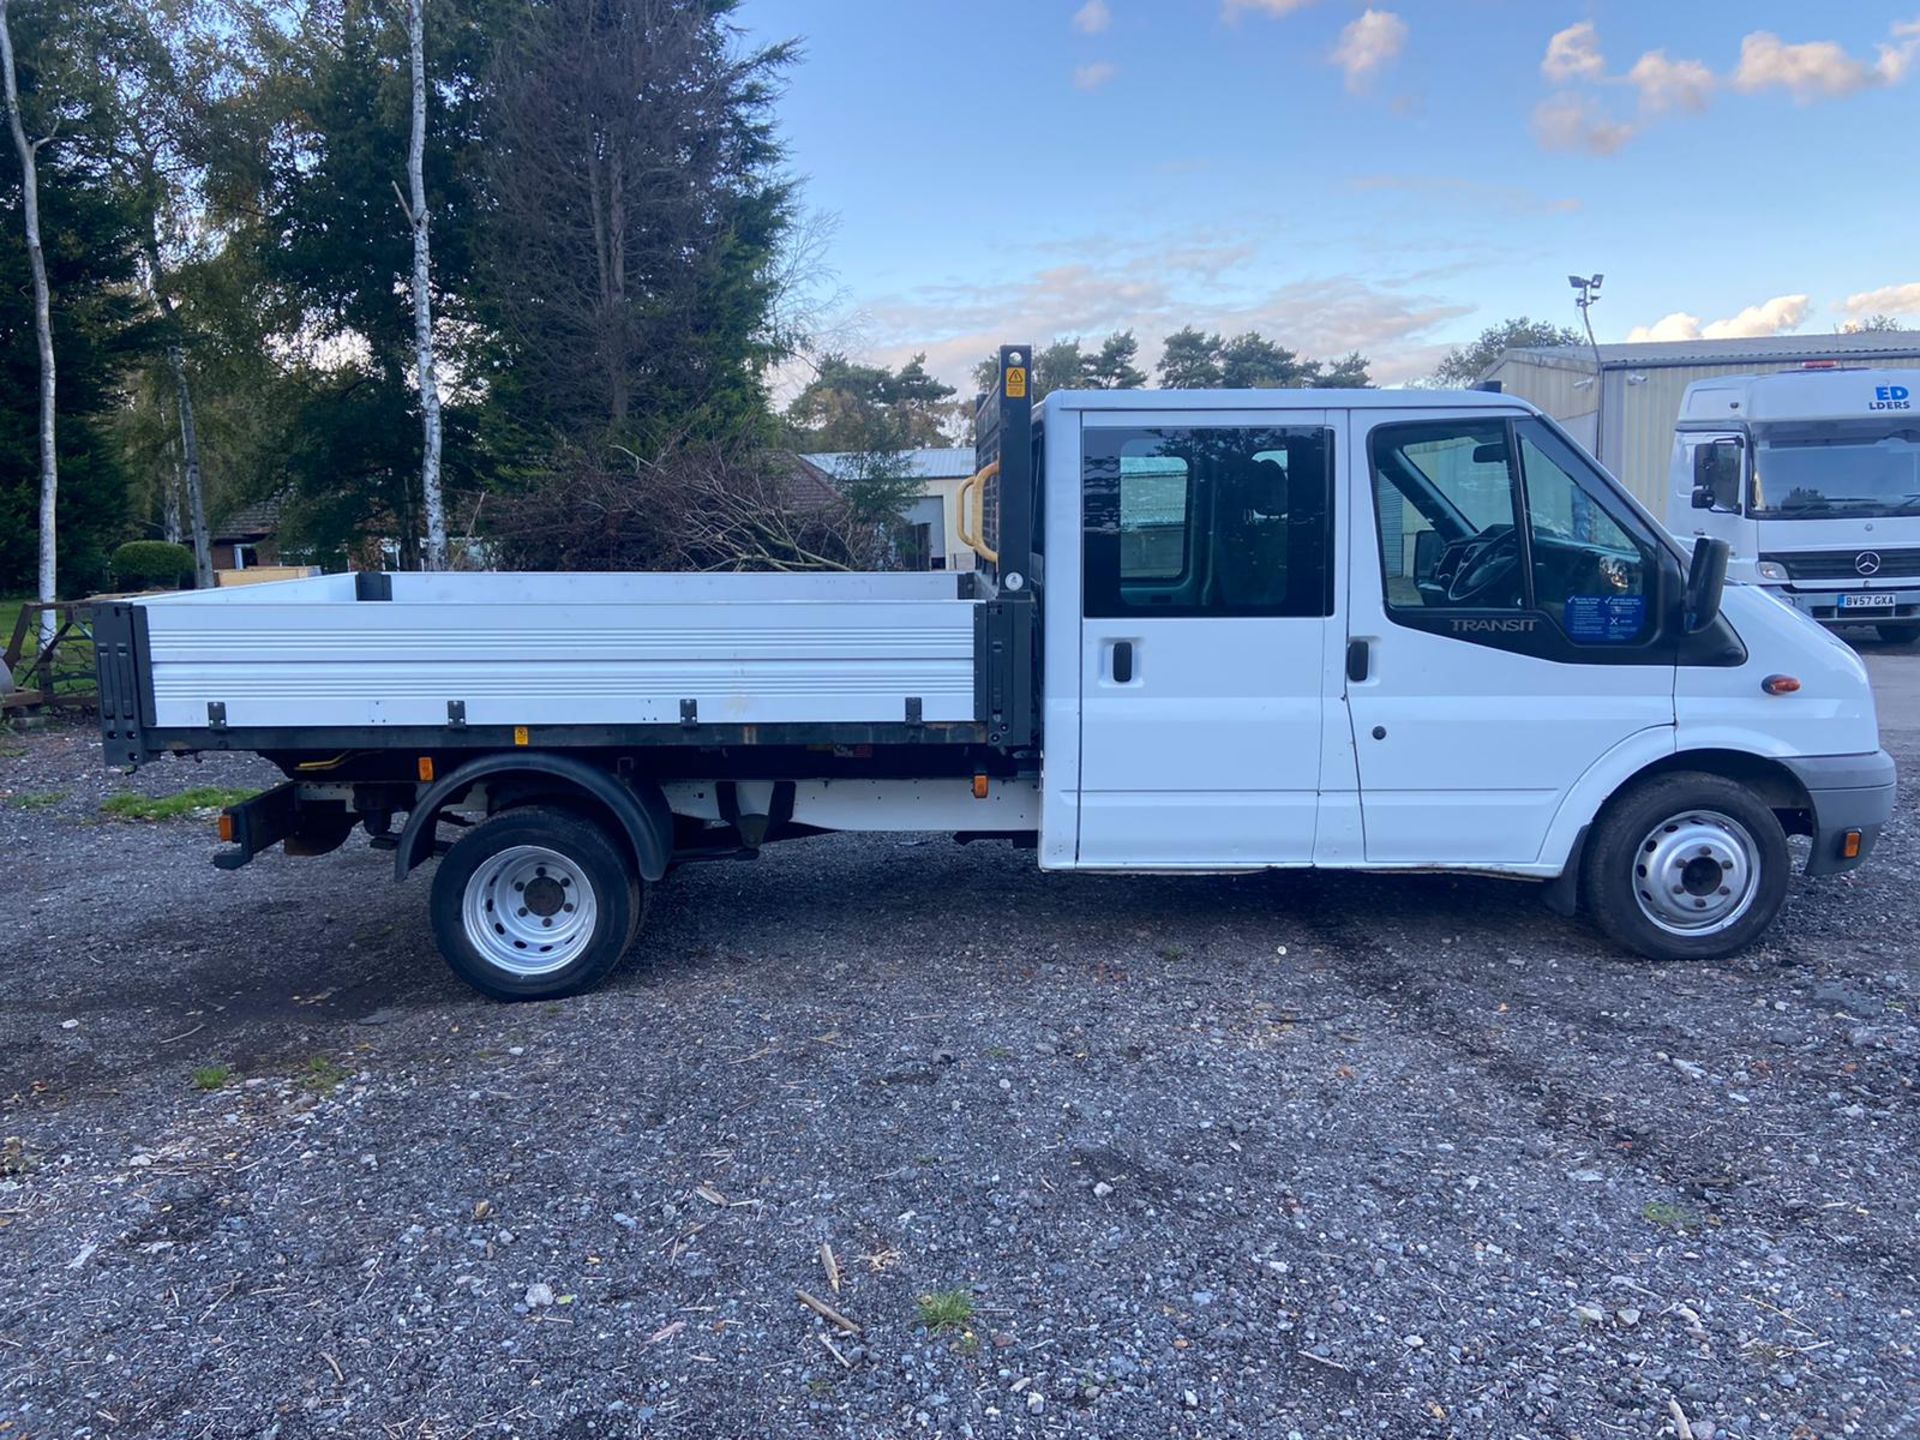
1812, 477
1212, 631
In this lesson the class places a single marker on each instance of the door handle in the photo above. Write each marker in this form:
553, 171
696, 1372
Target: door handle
1123, 662
1359, 660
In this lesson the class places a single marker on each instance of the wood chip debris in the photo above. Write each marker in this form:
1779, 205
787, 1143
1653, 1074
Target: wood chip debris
826, 1312
831, 1266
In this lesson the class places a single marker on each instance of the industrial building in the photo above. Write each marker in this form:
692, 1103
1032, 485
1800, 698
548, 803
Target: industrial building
1622, 408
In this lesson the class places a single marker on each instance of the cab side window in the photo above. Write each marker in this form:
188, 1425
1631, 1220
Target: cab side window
1214, 521
1590, 573
1498, 515
1445, 494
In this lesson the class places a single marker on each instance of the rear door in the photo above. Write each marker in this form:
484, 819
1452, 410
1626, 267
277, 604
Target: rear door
1512, 618
1208, 596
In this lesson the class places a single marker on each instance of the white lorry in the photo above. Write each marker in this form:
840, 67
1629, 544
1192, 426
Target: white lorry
1212, 631
1812, 477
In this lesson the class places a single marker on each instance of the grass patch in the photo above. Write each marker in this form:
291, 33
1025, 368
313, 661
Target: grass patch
1672, 1217
321, 1073
943, 1310
129, 806
45, 800
1173, 952
211, 1077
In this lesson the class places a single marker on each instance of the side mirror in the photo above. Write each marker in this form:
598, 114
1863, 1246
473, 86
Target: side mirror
1706, 583
1718, 468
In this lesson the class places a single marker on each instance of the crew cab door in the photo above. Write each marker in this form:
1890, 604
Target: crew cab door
1512, 621
1206, 631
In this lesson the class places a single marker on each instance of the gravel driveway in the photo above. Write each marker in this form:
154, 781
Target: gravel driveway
1332, 1156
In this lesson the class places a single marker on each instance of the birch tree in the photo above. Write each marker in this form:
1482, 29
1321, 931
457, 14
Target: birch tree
29, 151
434, 503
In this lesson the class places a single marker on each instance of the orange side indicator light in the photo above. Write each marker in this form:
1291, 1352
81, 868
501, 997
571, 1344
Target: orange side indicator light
426, 769
979, 787
1850, 845
225, 827
1780, 684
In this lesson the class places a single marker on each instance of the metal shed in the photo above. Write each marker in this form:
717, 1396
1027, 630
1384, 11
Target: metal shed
1623, 408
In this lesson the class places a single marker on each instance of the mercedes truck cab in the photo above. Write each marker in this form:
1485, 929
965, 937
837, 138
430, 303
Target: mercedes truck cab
1812, 477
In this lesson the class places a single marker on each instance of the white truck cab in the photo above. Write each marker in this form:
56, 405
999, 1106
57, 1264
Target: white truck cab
1812, 477
1212, 631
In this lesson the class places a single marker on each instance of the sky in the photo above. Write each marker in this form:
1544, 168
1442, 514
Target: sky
1388, 177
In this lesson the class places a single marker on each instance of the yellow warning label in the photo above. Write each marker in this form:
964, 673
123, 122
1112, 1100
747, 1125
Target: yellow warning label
519, 734
1016, 382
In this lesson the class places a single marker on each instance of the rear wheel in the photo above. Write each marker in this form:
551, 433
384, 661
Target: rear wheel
535, 903
1896, 633
1687, 867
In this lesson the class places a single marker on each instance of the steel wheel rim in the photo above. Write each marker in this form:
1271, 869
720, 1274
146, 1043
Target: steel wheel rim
1696, 873
529, 910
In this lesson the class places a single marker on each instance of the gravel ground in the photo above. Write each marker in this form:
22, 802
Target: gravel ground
1333, 1156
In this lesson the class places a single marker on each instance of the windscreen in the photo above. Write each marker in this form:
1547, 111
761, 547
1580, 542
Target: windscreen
1806, 471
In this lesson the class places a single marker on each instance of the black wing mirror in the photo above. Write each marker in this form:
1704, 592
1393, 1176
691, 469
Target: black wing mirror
1706, 583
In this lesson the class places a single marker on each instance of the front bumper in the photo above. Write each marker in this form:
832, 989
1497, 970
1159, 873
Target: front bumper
1848, 793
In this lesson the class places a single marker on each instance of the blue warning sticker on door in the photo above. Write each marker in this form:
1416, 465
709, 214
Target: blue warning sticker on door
1606, 619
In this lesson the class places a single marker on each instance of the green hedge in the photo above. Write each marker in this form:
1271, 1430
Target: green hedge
153, 565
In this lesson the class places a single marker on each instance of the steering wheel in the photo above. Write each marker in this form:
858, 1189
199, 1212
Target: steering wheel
1484, 563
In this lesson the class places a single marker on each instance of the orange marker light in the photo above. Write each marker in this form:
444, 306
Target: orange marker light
426, 768
1850, 845
225, 827
1780, 684
979, 787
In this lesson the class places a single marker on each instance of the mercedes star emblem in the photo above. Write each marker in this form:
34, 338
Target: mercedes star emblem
1867, 562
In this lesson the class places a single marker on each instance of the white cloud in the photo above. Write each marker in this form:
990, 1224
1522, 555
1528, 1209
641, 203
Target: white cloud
1574, 54
1887, 300
1092, 17
1671, 84
1369, 43
1772, 317
1234, 9
1093, 76
1154, 288
1821, 69
1567, 122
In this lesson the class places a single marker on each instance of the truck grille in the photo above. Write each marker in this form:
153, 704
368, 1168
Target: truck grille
1862, 564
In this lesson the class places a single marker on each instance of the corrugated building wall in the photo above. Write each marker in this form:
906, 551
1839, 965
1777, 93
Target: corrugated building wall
1626, 415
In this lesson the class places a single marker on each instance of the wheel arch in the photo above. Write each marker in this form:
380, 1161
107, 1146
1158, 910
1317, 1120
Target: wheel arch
1651, 753
637, 811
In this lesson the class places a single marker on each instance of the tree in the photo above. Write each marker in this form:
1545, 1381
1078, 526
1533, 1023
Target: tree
423, 290
1465, 364
330, 111
1111, 367
1253, 362
95, 325
1347, 373
28, 152
150, 94
636, 210
1875, 325
865, 408
1190, 360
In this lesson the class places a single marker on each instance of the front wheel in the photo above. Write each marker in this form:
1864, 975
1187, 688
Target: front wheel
535, 903
1686, 867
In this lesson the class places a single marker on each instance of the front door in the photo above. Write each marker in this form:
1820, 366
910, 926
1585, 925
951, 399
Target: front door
1513, 622
1207, 628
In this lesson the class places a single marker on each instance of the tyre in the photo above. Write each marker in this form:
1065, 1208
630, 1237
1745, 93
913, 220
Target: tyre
1896, 633
1686, 867
535, 903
